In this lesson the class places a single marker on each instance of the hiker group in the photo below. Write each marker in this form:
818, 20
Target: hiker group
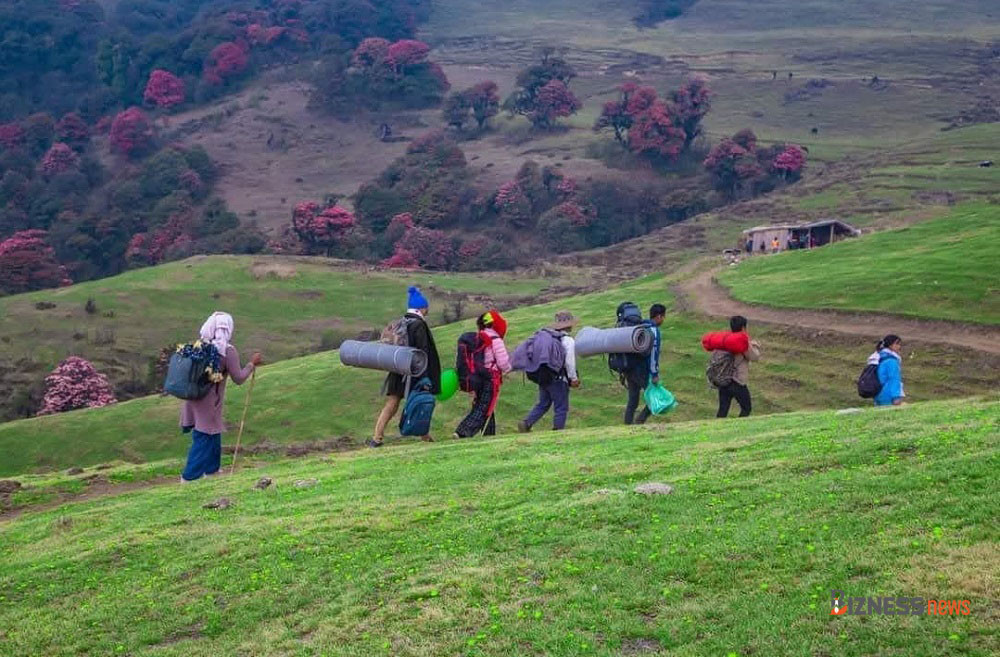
548, 359
197, 372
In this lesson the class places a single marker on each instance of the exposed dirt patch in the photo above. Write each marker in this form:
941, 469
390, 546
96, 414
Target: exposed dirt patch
704, 295
279, 270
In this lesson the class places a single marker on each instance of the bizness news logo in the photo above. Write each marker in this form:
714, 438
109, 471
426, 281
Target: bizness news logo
842, 605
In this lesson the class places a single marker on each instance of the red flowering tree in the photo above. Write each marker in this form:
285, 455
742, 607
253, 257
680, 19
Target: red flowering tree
690, 105
164, 89
11, 135
324, 229
131, 132
406, 53
28, 263
371, 54
58, 159
73, 130
731, 166
397, 227
401, 258
432, 249
655, 132
790, 162
484, 99
226, 61
75, 383
554, 100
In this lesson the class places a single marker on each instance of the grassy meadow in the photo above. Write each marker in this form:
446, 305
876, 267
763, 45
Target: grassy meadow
537, 545
940, 269
315, 398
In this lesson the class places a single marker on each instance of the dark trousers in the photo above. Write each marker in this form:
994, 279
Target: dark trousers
205, 455
736, 391
477, 420
636, 384
555, 394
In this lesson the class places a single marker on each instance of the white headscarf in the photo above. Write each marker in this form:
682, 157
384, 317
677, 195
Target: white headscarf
218, 329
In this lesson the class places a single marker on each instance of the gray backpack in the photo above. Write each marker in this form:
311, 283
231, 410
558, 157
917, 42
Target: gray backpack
721, 368
542, 356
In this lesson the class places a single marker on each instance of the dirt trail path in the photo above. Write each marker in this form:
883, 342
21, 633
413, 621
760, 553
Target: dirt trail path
704, 295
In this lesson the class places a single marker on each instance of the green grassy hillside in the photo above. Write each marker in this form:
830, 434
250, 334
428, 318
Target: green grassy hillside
537, 545
283, 306
943, 269
314, 397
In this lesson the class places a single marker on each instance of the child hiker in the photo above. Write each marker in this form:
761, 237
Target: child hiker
203, 417
486, 385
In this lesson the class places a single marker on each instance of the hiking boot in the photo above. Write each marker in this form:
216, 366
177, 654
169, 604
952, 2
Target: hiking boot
427, 439
371, 442
523, 427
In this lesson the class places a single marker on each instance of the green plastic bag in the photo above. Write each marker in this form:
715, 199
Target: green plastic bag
659, 400
449, 385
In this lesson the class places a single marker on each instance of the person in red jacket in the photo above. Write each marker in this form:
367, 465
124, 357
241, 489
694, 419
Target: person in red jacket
739, 389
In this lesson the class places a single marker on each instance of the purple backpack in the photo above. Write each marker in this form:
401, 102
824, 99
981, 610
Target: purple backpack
541, 356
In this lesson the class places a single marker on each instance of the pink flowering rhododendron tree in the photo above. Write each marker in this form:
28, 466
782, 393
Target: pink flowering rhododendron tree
322, 228
731, 166
554, 100
790, 162
226, 61
75, 383
58, 159
28, 263
131, 132
164, 89
151, 248
655, 131
405, 53
690, 105
484, 99
73, 130
11, 135
401, 258
372, 55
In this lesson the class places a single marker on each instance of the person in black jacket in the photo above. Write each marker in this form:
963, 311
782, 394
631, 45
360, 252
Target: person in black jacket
419, 337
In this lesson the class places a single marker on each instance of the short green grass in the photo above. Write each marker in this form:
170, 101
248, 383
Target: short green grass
283, 306
536, 545
315, 398
941, 269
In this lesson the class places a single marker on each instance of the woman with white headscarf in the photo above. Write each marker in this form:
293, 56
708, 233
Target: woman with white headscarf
203, 417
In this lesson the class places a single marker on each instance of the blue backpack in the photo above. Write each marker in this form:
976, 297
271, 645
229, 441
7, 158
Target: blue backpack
188, 371
419, 410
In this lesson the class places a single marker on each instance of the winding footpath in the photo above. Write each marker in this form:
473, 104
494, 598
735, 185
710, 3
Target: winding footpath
702, 294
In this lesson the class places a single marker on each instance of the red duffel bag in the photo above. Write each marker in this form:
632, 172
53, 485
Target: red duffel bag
736, 343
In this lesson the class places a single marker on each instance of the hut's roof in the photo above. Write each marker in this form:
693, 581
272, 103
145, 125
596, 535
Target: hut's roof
842, 225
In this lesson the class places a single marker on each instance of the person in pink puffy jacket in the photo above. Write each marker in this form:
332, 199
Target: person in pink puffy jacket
481, 418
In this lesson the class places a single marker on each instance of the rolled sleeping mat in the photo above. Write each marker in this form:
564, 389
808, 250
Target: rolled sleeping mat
405, 361
626, 340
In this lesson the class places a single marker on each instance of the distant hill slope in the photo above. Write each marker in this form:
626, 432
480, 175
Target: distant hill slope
538, 545
284, 307
316, 398
940, 269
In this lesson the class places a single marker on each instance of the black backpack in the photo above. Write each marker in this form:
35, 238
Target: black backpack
470, 361
628, 314
868, 384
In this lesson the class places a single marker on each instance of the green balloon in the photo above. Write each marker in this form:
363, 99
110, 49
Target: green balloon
449, 385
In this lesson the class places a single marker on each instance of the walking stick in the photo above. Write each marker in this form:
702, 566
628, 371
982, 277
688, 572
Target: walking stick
243, 419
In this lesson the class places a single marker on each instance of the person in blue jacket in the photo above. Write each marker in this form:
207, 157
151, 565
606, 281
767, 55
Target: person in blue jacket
890, 372
646, 370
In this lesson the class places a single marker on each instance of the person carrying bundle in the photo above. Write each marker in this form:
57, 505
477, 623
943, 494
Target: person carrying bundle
202, 415
549, 360
645, 370
481, 362
410, 330
729, 367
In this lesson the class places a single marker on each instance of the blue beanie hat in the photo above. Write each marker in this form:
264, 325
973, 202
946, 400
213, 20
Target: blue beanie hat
416, 300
